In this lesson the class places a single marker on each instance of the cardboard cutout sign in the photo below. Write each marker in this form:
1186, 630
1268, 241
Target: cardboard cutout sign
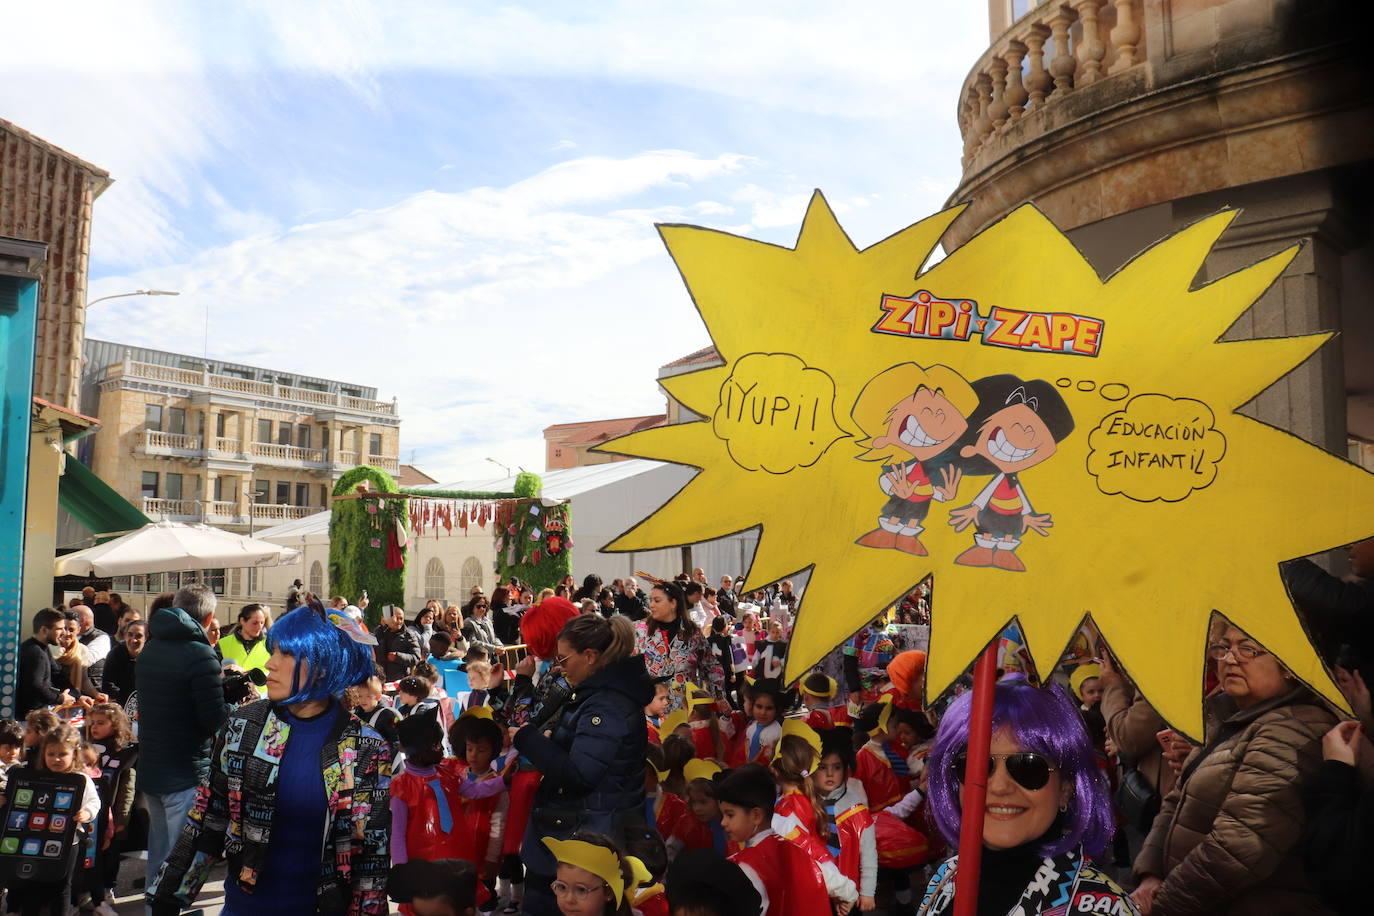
1050, 444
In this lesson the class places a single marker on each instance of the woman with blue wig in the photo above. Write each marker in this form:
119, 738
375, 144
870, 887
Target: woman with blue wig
297, 795
1048, 808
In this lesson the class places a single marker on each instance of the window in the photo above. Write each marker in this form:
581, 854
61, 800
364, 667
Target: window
311, 386
302, 494
374, 444
174, 486
351, 392
149, 488
264, 430
213, 578
434, 579
189, 364
283, 493
303, 435
317, 578
324, 496
152, 416
262, 491
236, 373
220, 488
284, 433
471, 577
219, 425
176, 420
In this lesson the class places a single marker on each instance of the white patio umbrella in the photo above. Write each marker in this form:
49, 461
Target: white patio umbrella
173, 547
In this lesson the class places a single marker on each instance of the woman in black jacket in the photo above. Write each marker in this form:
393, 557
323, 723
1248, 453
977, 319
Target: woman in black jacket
591, 750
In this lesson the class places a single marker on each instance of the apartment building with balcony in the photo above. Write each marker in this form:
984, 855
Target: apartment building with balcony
239, 447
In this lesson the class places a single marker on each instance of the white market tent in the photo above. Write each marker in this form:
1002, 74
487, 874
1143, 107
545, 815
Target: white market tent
606, 500
173, 547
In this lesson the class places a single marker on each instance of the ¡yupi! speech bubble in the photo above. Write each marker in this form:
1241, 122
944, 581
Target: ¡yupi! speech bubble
1158, 447
776, 413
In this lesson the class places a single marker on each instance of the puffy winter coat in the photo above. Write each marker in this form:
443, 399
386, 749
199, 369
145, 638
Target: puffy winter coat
593, 762
405, 642
180, 703
1226, 837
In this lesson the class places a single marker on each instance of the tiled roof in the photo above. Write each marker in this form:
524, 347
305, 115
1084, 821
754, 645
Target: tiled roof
592, 432
704, 355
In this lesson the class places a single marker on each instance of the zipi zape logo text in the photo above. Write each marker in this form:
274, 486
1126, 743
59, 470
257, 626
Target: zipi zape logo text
932, 318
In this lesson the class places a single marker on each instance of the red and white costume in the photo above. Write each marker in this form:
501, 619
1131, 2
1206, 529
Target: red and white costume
788, 881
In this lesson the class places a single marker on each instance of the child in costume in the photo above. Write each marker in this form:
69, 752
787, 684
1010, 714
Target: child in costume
662, 808
648, 860
444, 887
593, 876
872, 766
818, 696
710, 740
480, 740
798, 812
110, 733
702, 828
757, 741
427, 799
657, 709
789, 883
847, 826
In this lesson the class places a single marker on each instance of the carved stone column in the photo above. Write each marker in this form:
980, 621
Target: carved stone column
1126, 36
1091, 50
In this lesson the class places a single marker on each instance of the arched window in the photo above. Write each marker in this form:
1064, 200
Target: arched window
472, 576
434, 579
317, 579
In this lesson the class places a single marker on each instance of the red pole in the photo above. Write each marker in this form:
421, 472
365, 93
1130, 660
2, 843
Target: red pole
975, 791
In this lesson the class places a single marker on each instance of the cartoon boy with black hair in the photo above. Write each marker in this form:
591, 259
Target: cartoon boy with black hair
909, 415
1018, 425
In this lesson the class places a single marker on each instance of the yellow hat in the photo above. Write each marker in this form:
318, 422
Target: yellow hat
802, 730
825, 694
638, 871
698, 697
885, 713
1081, 674
696, 768
477, 712
598, 860
671, 723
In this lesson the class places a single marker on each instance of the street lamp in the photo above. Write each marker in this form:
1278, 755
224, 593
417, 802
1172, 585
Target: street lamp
501, 466
137, 292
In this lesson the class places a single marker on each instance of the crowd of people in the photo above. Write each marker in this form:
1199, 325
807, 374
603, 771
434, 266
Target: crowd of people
594, 748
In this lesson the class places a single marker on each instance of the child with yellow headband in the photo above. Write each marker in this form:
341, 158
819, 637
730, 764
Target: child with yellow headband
594, 878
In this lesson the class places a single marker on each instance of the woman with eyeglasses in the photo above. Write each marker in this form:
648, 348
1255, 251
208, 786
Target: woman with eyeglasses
1048, 807
1226, 839
478, 628
591, 750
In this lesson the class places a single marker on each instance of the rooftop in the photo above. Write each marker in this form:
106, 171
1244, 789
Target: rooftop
101, 176
704, 355
592, 432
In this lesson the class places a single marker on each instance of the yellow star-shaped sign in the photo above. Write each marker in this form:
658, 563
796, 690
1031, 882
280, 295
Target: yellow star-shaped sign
1051, 445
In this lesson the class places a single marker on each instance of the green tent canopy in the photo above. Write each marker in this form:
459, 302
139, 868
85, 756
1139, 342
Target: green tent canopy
95, 504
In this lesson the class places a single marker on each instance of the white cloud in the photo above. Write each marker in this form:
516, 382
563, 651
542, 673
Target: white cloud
489, 313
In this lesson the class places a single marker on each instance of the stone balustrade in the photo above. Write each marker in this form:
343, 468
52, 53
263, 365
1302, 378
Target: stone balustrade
1054, 49
191, 378
157, 442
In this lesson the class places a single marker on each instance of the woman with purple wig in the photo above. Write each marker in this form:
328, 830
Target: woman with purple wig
1048, 808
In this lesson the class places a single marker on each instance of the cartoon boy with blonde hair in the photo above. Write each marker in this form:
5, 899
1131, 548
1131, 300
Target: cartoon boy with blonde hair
909, 415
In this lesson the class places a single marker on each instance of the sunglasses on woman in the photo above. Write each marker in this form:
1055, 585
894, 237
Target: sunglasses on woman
1031, 771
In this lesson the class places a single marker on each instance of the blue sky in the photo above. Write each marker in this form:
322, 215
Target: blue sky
454, 202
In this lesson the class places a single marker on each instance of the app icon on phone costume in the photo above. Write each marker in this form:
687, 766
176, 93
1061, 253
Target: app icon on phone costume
31, 847
23, 798
9, 845
63, 801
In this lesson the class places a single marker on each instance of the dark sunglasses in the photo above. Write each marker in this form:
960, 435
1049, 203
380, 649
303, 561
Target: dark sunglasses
1031, 771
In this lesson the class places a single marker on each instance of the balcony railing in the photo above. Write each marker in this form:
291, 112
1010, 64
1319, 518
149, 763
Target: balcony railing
226, 446
171, 508
157, 442
289, 453
1054, 49
283, 513
192, 379
346, 458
